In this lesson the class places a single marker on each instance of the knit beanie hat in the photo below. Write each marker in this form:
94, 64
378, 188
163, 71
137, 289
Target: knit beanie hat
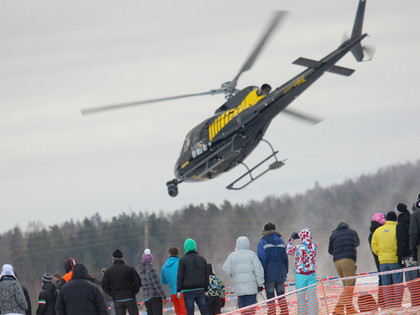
7, 270
401, 208
46, 277
189, 245
117, 255
379, 217
391, 216
147, 256
269, 227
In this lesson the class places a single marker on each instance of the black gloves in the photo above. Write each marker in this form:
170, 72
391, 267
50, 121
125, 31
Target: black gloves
260, 289
294, 236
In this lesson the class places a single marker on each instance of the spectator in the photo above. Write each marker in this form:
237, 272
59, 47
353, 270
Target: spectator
168, 275
273, 257
342, 246
404, 252
12, 298
152, 288
56, 279
378, 219
122, 283
216, 294
80, 295
47, 296
68, 268
384, 245
28, 299
416, 205
305, 270
246, 271
414, 231
192, 278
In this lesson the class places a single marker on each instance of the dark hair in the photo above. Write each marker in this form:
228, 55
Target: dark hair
174, 251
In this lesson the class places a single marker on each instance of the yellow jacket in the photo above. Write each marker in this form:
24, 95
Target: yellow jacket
384, 243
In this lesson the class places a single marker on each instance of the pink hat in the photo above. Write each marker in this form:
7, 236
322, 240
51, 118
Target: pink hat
379, 217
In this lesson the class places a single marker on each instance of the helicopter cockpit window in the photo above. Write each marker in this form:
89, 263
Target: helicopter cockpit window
194, 136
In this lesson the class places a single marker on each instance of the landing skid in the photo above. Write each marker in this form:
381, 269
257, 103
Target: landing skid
275, 165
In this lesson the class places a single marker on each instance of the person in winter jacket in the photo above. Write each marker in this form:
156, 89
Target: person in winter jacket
378, 219
47, 296
122, 283
414, 230
68, 268
168, 275
272, 254
246, 271
192, 278
80, 295
305, 270
342, 246
12, 298
152, 288
384, 245
216, 294
404, 252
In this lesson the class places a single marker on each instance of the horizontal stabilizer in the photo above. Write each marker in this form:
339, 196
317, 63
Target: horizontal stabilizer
316, 64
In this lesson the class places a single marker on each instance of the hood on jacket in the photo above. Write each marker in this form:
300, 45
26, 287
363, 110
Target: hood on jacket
190, 245
242, 242
342, 225
171, 261
305, 236
80, 272
69, 264
266, 233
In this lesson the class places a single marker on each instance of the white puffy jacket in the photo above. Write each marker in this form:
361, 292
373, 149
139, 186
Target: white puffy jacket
245, 268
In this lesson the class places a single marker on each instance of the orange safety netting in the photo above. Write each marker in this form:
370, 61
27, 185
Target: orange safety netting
331, 297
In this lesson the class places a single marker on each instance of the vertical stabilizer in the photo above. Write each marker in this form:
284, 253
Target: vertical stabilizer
357, 50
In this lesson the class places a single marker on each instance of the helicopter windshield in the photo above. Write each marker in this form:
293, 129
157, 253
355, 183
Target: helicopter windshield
194, 136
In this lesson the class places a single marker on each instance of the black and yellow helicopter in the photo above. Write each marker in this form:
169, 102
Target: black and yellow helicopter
224, 140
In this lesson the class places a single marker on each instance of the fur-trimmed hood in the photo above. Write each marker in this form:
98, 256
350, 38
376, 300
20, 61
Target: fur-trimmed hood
265, 233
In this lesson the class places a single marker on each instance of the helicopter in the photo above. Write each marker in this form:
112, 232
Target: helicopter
226, 139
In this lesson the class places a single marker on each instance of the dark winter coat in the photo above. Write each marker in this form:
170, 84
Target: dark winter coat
150, 281
373, 226
47, 299
80, 296
343, 243
192, 272
272, 254
414, 231
121, 281
402, 232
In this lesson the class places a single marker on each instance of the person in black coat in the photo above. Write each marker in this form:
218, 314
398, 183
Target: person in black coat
122, 283
80, 295
47, 296
404, 252
342, 245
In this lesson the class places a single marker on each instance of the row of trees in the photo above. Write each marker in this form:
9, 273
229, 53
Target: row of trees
214, 227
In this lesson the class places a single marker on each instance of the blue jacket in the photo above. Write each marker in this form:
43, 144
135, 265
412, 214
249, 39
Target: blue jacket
273, 257
169, 272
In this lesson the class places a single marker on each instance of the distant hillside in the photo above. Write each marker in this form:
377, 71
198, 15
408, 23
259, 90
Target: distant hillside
214, 227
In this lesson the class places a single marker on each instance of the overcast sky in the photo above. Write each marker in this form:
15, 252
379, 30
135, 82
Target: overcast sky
59, 57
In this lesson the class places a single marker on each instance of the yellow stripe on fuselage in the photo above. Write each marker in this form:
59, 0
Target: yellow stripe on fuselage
250, 100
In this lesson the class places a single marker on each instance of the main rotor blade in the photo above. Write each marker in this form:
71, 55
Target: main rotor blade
303, 116
278, 16
98, 109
